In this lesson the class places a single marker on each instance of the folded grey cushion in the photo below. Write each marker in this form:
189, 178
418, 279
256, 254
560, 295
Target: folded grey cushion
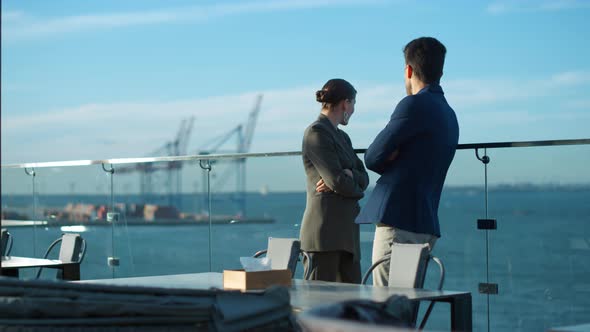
58, 303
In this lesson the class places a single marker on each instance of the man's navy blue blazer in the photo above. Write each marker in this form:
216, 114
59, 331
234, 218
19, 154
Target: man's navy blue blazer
424, 129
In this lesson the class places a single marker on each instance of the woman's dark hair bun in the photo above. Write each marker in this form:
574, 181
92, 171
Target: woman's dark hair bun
320, 96
334, 91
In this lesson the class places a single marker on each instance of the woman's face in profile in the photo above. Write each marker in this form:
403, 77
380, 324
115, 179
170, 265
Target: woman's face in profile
348, 110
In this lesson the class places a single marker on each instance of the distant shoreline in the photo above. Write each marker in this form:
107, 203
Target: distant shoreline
518, 187
141, 222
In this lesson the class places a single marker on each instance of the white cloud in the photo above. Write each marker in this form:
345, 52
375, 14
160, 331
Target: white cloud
20, 26
473, 92
564, 4
571, 78
522, 118
8, 16
500, 7
579, 104
135, 129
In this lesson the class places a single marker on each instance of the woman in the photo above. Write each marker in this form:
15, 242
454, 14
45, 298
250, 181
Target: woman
336, 179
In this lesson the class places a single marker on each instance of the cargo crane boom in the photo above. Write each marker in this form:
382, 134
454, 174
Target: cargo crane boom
244, 141
178, 147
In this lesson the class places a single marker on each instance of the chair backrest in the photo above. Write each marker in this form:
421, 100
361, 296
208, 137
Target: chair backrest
283, 253
408, 265
71, 248
407, 268
5, 243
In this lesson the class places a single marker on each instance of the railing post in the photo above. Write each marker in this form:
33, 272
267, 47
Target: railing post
32, 174
113, 218
487, 225
206, 165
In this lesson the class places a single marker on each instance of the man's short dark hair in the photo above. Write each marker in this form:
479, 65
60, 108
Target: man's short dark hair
426, 55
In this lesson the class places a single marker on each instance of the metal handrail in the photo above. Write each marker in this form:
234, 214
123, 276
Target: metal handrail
194, 158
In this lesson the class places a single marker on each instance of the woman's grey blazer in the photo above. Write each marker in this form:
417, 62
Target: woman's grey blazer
328, 222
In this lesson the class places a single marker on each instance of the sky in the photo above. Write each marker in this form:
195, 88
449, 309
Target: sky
111, 79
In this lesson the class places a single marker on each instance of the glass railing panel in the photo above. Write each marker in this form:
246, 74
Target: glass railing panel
461, 247
75, 200
275, 189
254, 199
160, 229
275, 199
18, 210
66, 200
540, 253
275, 203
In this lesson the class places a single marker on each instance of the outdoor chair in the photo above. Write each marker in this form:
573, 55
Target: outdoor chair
408, 264
72, 250
6, 243
283, 253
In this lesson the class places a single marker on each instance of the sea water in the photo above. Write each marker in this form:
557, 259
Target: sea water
539, 255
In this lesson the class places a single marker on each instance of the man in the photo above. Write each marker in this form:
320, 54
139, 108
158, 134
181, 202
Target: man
412, 154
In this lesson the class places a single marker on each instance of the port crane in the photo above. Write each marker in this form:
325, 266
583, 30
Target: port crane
173, 169
178, 146
243, 134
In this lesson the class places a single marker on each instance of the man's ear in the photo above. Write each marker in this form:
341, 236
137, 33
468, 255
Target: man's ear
409, 71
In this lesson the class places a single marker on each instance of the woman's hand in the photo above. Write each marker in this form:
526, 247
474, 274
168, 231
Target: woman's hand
322, 187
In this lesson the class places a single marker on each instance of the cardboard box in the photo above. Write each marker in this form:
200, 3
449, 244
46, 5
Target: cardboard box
242, 280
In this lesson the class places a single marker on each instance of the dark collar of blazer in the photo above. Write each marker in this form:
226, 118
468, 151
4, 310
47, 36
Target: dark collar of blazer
432, 88
339, 135
324, 120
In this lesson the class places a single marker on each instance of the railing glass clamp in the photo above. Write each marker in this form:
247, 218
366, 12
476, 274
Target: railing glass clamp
112, 217
488, 288
113, 261
487, 224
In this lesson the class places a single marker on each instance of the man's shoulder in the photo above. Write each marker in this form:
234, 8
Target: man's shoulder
408, 101
407, 105
421, 101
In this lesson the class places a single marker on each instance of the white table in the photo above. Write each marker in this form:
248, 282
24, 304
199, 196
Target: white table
10, 266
